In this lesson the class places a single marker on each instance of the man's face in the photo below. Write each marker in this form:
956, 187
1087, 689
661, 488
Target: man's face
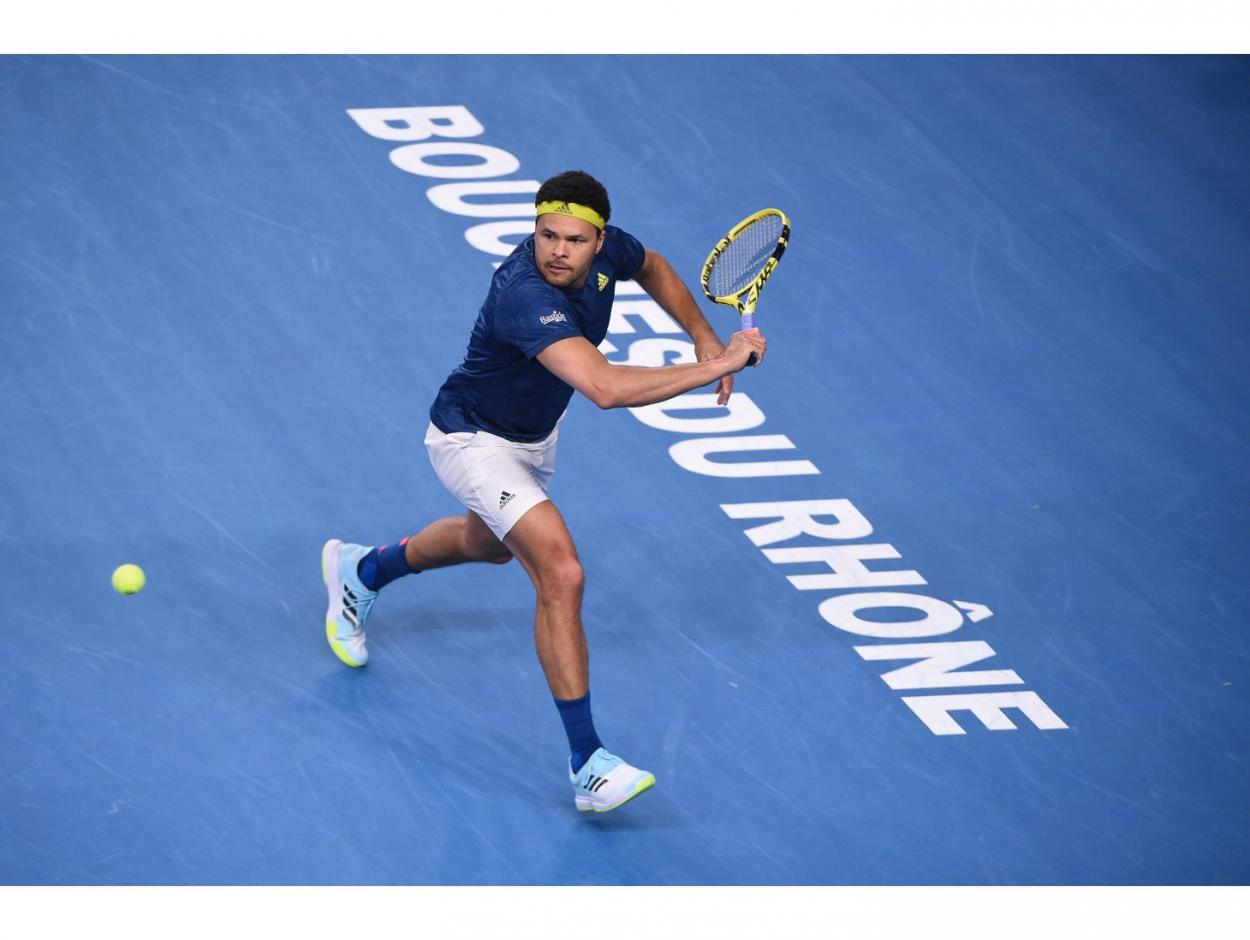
563, 249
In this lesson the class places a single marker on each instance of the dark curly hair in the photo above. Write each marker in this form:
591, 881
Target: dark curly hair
576, 186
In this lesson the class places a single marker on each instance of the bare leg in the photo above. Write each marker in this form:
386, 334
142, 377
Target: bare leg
454, 541
542, 543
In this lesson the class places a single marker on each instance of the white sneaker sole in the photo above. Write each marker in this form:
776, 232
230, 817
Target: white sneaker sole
587, 804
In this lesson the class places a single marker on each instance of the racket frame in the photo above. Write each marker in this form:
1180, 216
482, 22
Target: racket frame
744, 301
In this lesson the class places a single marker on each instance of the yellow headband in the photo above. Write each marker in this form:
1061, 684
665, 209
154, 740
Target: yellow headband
585, 213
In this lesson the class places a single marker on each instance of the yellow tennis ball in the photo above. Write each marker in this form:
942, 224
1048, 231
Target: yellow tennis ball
129, 579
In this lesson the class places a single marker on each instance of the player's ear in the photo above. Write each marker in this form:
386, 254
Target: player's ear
599, 243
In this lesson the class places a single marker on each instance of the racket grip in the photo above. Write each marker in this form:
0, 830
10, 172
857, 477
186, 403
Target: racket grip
748, 323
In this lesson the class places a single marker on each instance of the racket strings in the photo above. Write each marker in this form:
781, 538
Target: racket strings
744, 258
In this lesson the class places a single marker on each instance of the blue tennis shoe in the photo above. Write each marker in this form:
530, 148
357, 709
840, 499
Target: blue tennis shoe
605, 782
350, 601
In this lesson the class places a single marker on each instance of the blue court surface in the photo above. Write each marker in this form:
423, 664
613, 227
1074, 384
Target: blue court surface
954, 592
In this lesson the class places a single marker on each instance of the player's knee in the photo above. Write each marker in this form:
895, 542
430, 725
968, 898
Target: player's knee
497, 555
484, 547
563, 574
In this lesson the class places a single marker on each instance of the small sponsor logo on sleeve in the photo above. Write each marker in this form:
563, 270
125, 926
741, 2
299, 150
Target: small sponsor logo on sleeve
555, 316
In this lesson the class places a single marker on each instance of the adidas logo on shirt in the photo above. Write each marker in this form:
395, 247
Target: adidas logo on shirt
603, 280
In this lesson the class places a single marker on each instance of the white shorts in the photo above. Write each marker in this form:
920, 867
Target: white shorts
498, 479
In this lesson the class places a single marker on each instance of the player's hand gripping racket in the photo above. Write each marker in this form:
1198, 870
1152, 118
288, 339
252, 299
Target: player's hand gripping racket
742, 261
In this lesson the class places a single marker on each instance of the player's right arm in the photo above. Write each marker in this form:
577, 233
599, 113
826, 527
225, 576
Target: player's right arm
581, 365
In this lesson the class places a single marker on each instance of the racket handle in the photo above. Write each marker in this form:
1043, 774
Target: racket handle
748, 323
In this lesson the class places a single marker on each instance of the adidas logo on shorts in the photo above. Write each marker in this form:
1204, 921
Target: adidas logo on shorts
504, 498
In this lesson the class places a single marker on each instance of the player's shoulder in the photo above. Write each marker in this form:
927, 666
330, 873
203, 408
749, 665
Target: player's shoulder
518, 281
622, 250
614, 233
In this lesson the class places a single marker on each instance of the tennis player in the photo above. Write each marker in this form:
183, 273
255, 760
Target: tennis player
492, 441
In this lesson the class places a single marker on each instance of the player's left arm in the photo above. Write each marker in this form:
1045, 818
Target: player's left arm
666, 288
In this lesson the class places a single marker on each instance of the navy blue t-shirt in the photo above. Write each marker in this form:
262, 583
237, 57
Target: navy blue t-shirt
501, 387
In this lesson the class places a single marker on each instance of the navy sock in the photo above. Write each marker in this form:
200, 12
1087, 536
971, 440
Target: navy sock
383, 565
580, 727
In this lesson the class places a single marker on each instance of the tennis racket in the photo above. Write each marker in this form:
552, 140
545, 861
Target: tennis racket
742, 262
